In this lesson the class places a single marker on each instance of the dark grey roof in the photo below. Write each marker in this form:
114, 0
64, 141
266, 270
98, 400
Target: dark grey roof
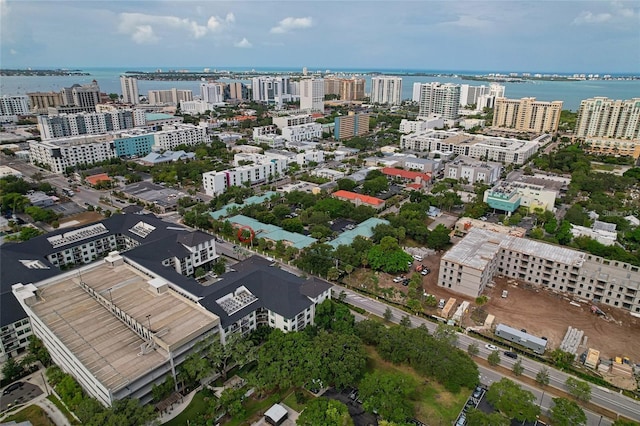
314, 287
194, 238
134, 208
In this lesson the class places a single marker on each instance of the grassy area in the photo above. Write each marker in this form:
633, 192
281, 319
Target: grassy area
253, 409
32, 413
197, 407
432, 402
606, 167
291, 400
63, 409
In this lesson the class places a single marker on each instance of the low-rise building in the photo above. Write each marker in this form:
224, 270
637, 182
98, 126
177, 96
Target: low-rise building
328, 173
59, 154
473, 170
509, 196
425, 123
609, 146
466, 224
196, 107
302, 132
216, 183
359, 199
154, 158
603, 232
292, 120
264, 130
419, 178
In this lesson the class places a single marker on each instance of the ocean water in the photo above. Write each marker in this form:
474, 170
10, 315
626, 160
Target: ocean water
570, 92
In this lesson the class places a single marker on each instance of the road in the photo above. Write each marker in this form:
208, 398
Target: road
605, 398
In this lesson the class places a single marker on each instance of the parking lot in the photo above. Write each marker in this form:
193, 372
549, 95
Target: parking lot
25, 392
350, 398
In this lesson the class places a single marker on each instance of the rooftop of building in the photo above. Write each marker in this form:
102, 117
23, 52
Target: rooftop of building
272, 232
472, 162
99, 339
406, 174
94, 179
256, 199
352, 196
154, 116
76, 140
364, 229
154, 193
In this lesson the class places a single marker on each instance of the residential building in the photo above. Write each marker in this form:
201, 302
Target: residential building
216, 183
609, 146
302, 157
474, 95
212, 93
171, 137
274, 140
472, 263
421, 179
84, 97
312, 94
603, 232
488, 148
237, 91
359, 199
386, 90
348, 126
271, 90
88, 123
264, 130
473, 170
196, 107
527, 115
41, 101
425, 123
302, 132
292, 120
13, 106
129, 87
169, 97
439, 99
328, 173
59, 154
134, 143
510, 196
348, 89
602, 117
39, 199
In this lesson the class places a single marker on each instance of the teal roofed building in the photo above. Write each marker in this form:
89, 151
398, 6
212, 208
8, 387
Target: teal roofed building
503, 197
365, 229
272, 232
256, 199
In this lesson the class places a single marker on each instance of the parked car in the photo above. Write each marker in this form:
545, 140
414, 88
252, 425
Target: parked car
397, 279
406, 282
491, 347
511, 354
425, 271
417, 257
441, 303
12, 387
505, 293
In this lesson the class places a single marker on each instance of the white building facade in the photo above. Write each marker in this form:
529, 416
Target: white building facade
171, 137
386, 90
302, 132
129, 86
88, 123
439, 99
70, 152
216, 183
13, 106
271, 90
312, 94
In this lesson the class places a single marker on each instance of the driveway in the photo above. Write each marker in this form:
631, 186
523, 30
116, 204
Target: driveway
23, 394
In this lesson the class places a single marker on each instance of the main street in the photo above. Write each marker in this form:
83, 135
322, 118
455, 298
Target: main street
603, 397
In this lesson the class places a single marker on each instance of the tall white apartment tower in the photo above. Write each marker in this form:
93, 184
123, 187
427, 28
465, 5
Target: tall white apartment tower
386, 90
129, 87
312, 94
212, 93
439, 99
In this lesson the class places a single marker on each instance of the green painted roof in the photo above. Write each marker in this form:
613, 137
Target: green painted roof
256, 199
151, 116
365, 229
272, 232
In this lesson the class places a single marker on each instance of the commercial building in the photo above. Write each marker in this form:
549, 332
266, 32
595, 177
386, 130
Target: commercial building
129, 87
271, 90
272, 139
527, 115
69, 152
312, 94
154, 158
292, 120
264, 130
386, 90
510, 196
425, 123
466, 224
359, 199
212, 93
489, 148
13, 106
89, 123
603, 232
602, 117
216, 183
347, 89
473, 170
472, 263
302, 132
348, 126
439, 99
169, 97
422, 179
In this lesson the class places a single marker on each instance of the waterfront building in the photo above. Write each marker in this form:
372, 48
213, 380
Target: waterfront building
602, 117
527, 115
439, 99
348, 89
386, 90
212, 93
169, 97
312, 94
129, 87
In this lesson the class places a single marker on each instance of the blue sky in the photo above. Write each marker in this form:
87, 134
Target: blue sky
561, 36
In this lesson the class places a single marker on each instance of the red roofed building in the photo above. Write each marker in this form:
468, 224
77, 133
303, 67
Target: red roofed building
416, 177
359, 199
93, 180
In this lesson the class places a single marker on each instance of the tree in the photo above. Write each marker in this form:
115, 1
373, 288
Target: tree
439, 238
476, 417
332, 316
388, 394
337, 359
388, 314
446, 334
324, 411
333, 274
517, 369
512, 401
567, 413
11, 370
542, 377
578, 389
405, 321
562, 359
39, 351
473, 349
494, 358
231, 401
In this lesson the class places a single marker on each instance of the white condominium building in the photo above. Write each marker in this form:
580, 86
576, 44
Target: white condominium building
471, 264
212, 93
14, 105
171, 137
68, 152
527, 115
89, 123
216, 183
607, 118
272, 90
196, 107
292, 120
425, 123
439, 99
473, 170
312, 94
302, 132
129, 87
386, 90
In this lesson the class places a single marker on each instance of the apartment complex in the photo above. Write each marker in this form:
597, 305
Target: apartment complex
271, 90
302, 132
439, 99
129, 86
61, 153
386, 90
425, 123
292, 120
482, 96
212, 93
84, 97
171, 136
470, 266
312, 94
348, 89
527, 115
602, 117
488, 148
473, 170
608, 146
14, 105
237, 91
169, 97
510, 196
89, 123
216, 183
348, 126
41, 101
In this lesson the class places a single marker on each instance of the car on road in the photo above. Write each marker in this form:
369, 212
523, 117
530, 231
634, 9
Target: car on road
511, 354
12, 387
397, 279
491, 347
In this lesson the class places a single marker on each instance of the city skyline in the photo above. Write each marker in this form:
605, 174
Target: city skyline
566, 36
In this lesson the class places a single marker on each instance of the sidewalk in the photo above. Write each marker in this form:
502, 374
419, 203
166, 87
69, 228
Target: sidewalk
177, 408
52, 411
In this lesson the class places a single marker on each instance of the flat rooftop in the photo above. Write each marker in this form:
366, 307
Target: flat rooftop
108, 348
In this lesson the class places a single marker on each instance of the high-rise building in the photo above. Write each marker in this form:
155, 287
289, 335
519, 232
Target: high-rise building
527, 115
386, 90
348, 89
271, 89
88, 123
170, 97
14, 105
607, 118
86, 96
348, 126
312, 94
212, 93
129, 87
439, 99
237, 91
42, 101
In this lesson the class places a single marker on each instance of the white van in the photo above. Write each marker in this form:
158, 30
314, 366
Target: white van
505, 293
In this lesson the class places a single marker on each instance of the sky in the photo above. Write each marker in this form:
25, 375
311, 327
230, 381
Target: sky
518, 36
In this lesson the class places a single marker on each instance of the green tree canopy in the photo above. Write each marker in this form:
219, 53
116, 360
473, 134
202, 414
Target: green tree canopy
567, 413
324, 411
388, 394
512, 401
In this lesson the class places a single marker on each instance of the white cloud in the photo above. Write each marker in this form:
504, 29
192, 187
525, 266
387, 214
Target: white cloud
244, 43
618, 13
290, 24
588, 17
142, 27
230, 18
